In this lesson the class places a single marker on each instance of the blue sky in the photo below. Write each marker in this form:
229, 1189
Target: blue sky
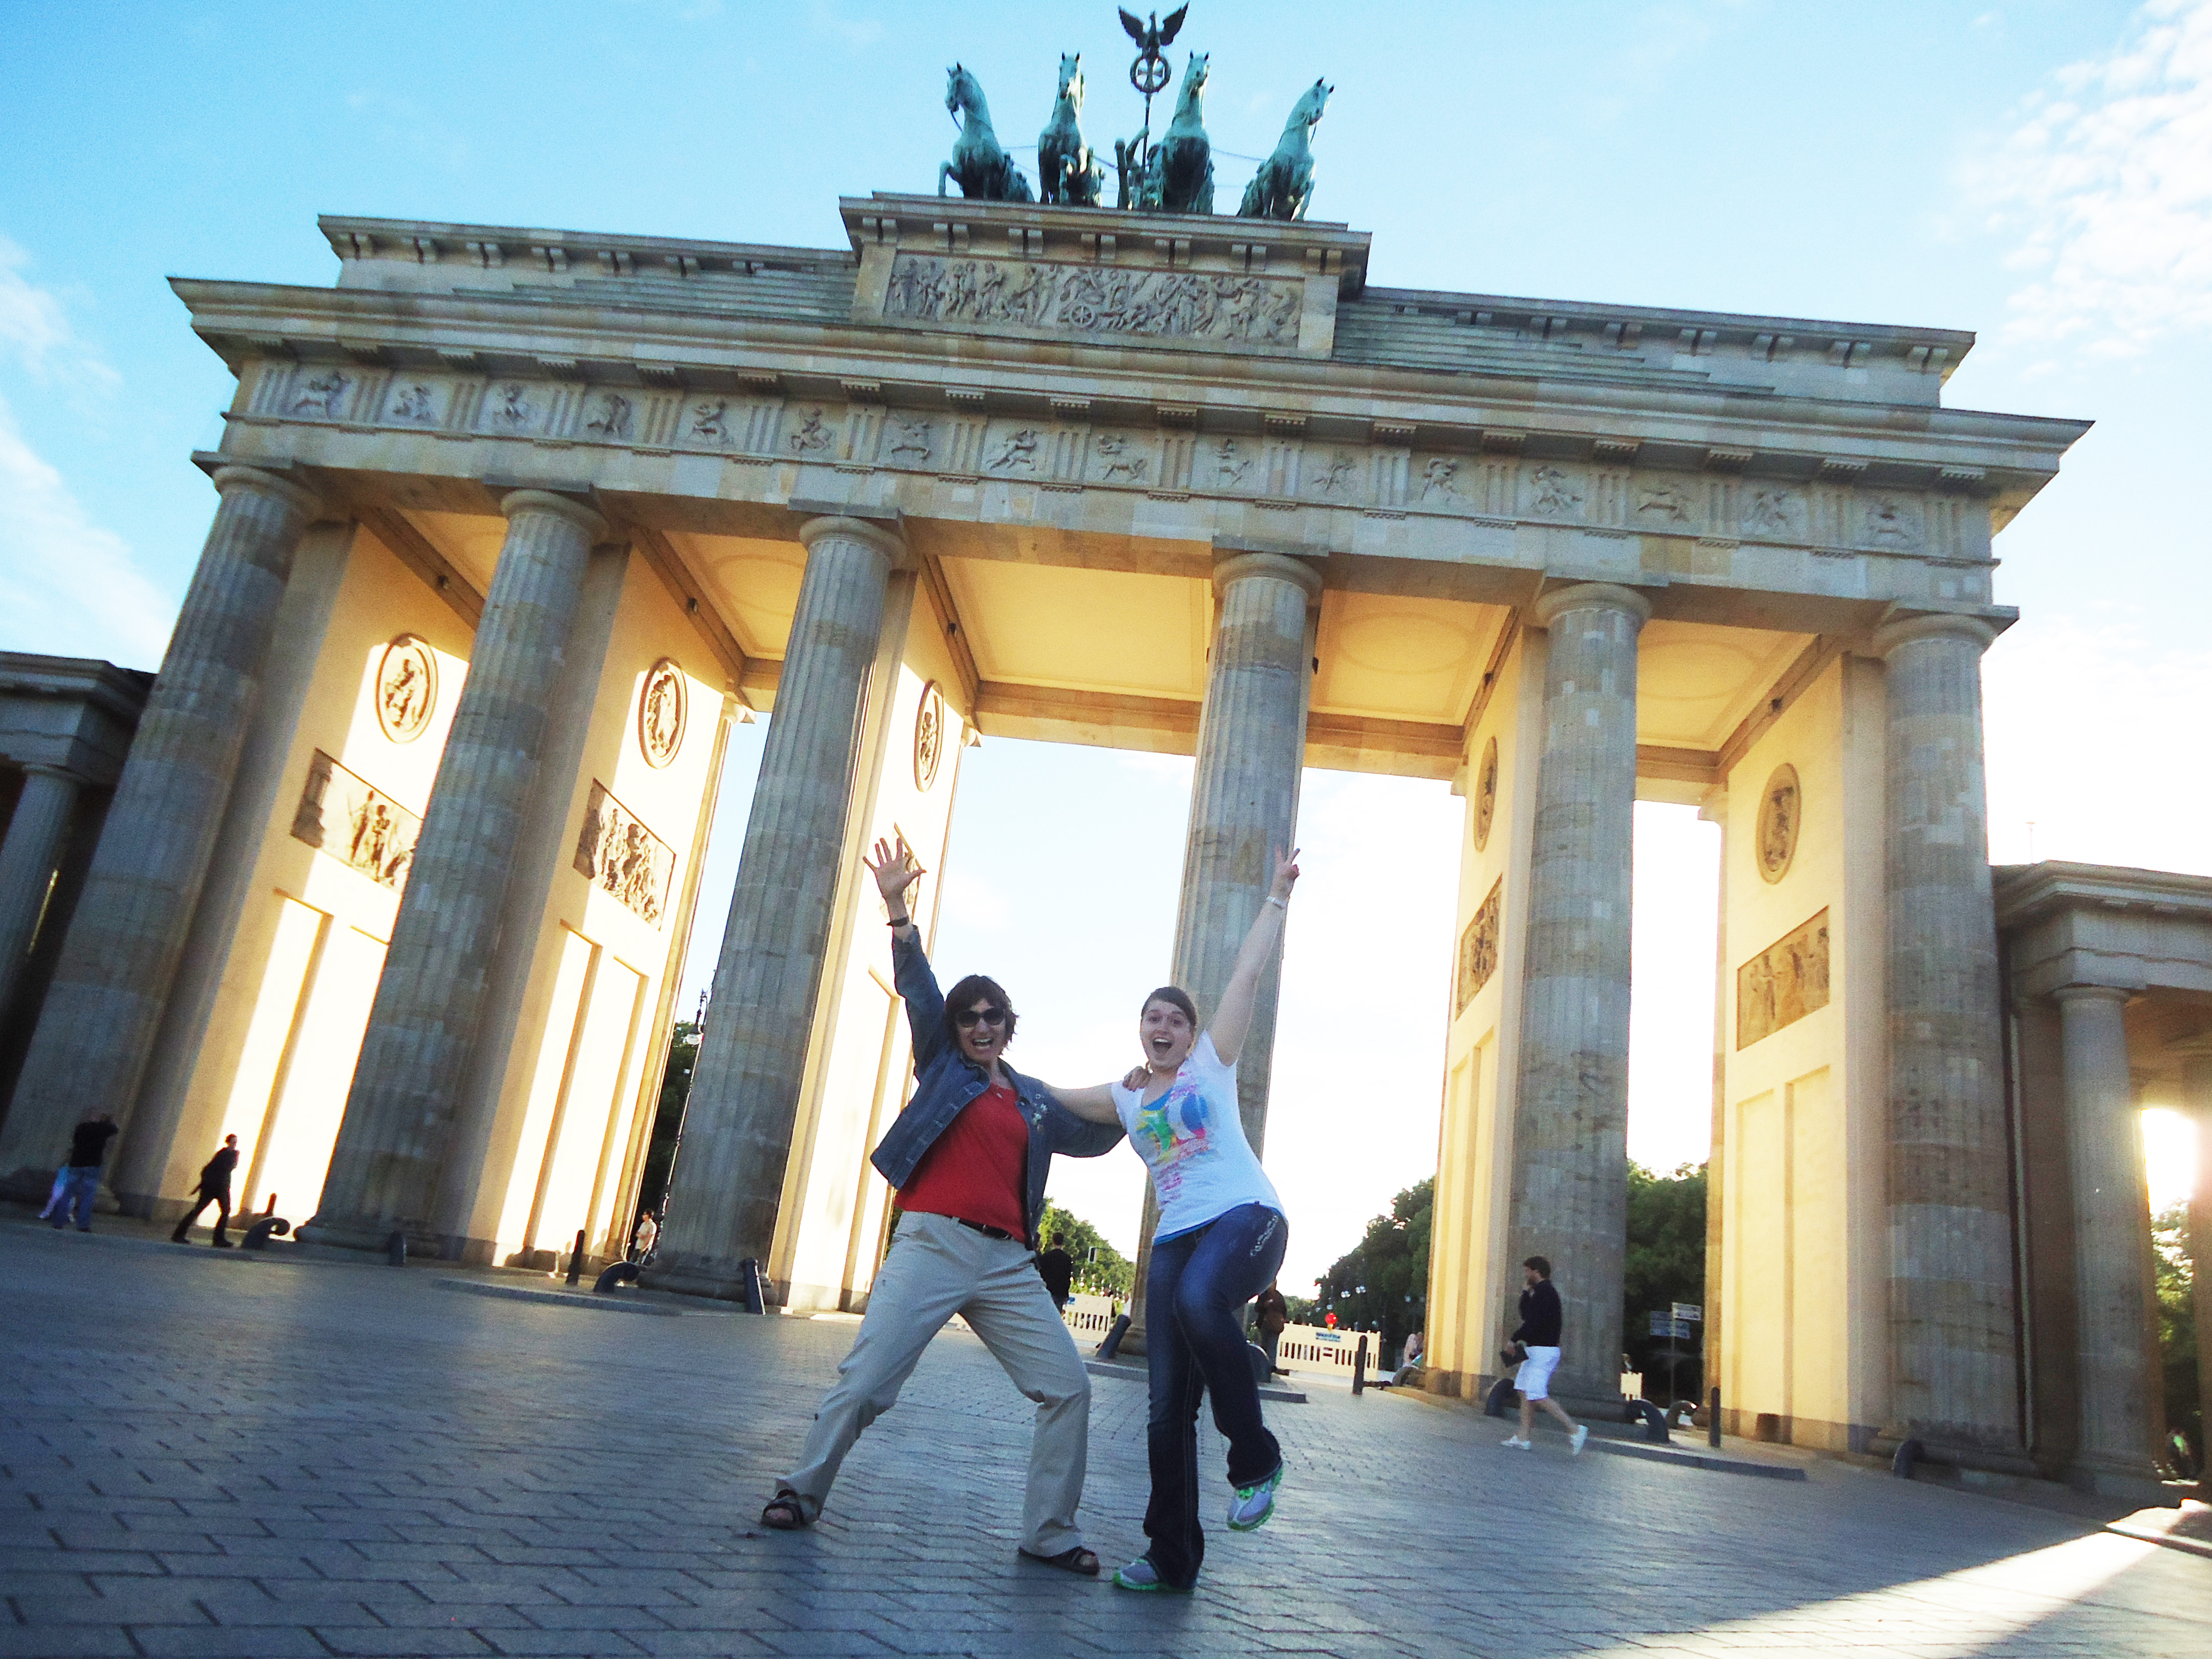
2041, 173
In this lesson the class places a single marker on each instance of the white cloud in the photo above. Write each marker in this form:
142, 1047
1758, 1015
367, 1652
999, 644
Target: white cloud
69, 587
2106, 185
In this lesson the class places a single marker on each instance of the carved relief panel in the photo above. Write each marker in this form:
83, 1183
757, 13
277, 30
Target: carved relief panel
406, 689
618, 854
1201, 308
342, 814
1780, 812
662, 710
1478, 947
1782, 983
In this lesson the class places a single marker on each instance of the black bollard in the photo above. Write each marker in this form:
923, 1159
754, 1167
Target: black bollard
576, 1258
1112, 1345
749, 1280
1713, 1421
1359, 1367
395, 1247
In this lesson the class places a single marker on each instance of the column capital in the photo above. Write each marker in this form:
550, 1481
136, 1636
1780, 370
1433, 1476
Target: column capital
515, 502
298, 496
1591, 596
837, 527
1893, 636
2119, 993
1229, 567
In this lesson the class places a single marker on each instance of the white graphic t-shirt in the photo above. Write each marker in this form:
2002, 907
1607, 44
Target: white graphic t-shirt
1192, 1138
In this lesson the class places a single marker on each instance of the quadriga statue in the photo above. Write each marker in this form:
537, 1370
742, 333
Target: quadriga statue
1179, 176
1066, 170
1284, 184
983, 170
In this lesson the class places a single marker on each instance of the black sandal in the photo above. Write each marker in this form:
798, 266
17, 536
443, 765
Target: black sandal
1078, 1560
783, 1514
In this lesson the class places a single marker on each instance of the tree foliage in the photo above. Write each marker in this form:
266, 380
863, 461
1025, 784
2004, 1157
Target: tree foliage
2177, 1326
1383, 1283
1099, 1267
668, 1114
1666, 1263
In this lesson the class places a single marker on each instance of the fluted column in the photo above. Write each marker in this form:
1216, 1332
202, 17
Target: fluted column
2111, 1238
728, 1180
1243, 804
97, 1025
2197, 1095
1953, 1359
415, 1055
27, 858
1570, 1194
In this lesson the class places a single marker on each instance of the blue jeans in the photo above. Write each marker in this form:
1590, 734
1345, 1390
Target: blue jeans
76, 1188
1194, 1342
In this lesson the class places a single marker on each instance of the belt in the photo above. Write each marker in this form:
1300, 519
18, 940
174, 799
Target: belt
987, 1232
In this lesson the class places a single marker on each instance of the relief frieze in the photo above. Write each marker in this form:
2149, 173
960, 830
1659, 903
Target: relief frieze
342, 814
1203, 307
1478, 947
1782, 983
619, 855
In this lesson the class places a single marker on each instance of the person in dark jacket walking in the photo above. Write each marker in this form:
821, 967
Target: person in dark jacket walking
1057, 1268
968, 1157
79, 1183
1538, 1335
213, 1189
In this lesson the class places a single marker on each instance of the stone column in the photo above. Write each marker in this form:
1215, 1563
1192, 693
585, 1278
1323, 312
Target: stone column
34, 847
423, 1021
727, 1185
1954, 1363
117, 963
1570, 1194
1244, 802
2111, 1240
2196, 1095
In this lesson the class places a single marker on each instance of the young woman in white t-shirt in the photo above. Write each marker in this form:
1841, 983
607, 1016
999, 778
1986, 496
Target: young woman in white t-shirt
1219, 1243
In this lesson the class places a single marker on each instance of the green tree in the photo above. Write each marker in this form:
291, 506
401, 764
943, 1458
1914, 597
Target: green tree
1382, 1284
2177, 1326
1666, 1263
1099, 1267
668, 1115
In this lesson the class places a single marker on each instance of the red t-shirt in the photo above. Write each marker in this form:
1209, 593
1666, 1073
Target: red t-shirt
978, 1170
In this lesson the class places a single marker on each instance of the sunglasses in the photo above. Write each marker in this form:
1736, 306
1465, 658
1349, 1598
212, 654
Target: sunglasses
967, 1018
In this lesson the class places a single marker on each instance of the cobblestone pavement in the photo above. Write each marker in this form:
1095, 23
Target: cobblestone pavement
228, 1456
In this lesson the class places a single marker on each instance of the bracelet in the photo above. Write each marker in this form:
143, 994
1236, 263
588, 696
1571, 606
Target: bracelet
1280, 904
898, 922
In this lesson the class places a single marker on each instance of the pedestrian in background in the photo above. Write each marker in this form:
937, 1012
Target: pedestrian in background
79, 1183
1541, 1318
1271, 1313
213, 1189
1057, 1268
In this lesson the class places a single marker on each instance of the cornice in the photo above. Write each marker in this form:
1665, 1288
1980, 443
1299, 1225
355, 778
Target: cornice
2026, 893
2004, 459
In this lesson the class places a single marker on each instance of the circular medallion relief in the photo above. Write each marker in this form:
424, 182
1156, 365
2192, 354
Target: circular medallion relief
406, 689
1485, 794
929, 736
660, 713
1779, 811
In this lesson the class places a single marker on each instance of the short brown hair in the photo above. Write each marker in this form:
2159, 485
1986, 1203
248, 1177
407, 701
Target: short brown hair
1541, 1263
1176, 997
976, 988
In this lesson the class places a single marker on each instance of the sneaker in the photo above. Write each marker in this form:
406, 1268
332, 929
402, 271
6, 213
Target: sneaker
1517, 1442
1253, 1505
1141, 1575
1575, 1440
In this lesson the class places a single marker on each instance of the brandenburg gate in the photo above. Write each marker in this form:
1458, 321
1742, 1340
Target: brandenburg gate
513, 524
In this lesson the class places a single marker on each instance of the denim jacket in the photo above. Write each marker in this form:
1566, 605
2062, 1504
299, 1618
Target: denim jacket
946, 1080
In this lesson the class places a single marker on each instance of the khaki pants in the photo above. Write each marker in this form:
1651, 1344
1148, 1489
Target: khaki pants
938, 1268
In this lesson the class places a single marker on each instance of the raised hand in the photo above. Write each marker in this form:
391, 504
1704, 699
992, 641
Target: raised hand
896, 869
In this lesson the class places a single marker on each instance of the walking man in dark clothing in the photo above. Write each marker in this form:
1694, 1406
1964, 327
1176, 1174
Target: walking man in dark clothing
80, 1181
1538, 1335
1057, 1268
1271, 1313
213, 1189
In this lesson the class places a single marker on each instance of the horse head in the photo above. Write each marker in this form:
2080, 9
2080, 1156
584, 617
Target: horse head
1307, 111
1070, 79
1193, 78
960, 88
